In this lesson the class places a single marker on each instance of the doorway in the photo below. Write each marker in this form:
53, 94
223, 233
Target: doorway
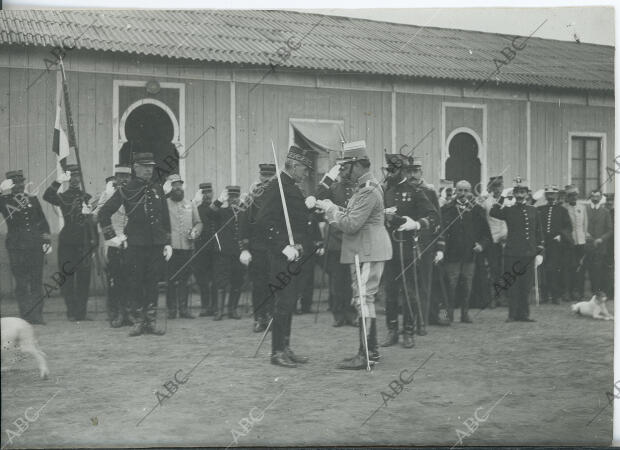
463, 162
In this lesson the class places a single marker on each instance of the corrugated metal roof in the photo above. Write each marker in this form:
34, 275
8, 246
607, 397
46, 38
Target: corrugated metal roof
329, 43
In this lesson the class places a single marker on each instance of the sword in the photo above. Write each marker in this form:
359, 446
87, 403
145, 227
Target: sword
415, 277
284, 208
362, 304
536, 285
262, 339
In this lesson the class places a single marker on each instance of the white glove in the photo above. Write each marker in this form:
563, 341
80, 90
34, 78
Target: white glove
197, 200
409, 225
557, 238
320, 251
47, 249
438, 257
333, 172
245, 258
86, 208
478, 248
507, 192
510, 201
291, 253
310, 202
194, 233
538, 260
64, 177
325, 205
109, 187
167, 252
6, 186
117, 241
167, 187
223, 196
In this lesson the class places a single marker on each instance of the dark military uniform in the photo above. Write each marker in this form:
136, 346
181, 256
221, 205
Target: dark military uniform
524, 241
555, 222
229, 271
410, 201
283, 276
148, 231
204, 257
76, 240
256, 243
340, 292
27, 230
312, 240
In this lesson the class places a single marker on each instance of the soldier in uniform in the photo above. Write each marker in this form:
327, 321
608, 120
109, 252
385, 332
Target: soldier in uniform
206, 248
574, 267
557, 230
229, 270
408, 211
27, 240
148, 240
523, 252
339, 191
284, 257
256, 249
431, 242
185, 227
312, 239
116, 267
76, 241
364, 235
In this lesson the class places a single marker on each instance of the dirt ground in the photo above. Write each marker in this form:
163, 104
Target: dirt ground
552, 375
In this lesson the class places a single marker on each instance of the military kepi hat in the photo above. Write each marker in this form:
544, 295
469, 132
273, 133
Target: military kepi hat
300, 155
353, 151
207, 187
551, 188
397, 160
174, 178
15, 175
234, 190
144, 158
74, 169
571, 189
520, 183
267, 169
121, 168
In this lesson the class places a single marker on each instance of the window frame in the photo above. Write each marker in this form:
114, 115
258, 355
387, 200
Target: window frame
585, 136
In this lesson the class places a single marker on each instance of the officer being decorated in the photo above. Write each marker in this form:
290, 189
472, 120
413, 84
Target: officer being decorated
148, 240
27, 240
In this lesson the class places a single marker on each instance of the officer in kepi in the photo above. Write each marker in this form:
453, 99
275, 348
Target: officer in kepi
523, 252
364, 239
148, 240
76, 242
27, 240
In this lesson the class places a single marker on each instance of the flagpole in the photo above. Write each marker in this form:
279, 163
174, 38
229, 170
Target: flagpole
70, 127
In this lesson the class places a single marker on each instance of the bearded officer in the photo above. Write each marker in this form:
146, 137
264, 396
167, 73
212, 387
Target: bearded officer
364, 235
409, 211
27, 240
523, 251
148, 240
284, 258
76, 241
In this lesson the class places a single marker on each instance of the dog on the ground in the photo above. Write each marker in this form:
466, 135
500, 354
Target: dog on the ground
17, 334
594, 308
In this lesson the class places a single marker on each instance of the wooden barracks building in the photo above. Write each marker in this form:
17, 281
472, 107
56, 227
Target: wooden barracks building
222, 85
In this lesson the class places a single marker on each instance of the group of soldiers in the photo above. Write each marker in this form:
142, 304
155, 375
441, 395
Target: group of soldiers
424, 249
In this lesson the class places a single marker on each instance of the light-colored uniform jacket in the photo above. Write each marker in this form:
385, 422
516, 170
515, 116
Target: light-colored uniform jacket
363, 224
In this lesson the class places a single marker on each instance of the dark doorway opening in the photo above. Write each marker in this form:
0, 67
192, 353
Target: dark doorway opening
149, 129
463, 162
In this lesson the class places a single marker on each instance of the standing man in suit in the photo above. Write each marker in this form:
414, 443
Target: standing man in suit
466, 233
523, 252
27, 240
76, 241
600, 230
364, 235
148, 240
284, 257
574, 266
557, 230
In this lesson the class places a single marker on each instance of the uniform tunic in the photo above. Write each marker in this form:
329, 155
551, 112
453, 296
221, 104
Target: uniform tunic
555, 222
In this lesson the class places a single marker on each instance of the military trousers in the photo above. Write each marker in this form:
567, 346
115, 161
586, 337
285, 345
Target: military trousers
262, 300
27, 269
520, 285
340, 290
117, 278
76, 264
145, 267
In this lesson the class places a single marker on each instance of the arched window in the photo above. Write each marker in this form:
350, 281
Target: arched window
463, 162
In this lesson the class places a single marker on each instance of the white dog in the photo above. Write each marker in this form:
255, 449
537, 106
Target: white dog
594, 308
19, 334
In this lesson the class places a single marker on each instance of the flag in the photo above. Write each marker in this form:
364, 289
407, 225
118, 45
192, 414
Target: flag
60, 145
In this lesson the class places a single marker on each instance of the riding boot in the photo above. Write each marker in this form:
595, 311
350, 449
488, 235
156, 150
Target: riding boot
184, 312
358, 361
373, 345
221, 300
392, 337
233, 301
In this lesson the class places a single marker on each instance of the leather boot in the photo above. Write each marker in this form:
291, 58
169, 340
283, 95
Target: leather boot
281, 359
392, 337
373, 345
184, 312
233, 301
408, 341
291, 355
221, 300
